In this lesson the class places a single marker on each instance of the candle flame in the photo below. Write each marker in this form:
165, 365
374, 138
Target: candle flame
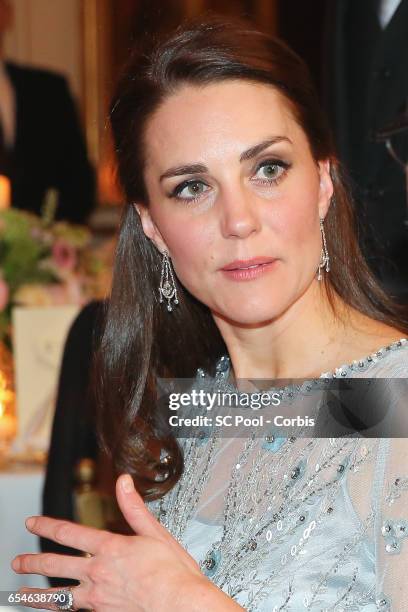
5, 192
6, 395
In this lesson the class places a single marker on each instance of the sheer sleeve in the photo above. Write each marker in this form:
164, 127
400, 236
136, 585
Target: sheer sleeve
390, 504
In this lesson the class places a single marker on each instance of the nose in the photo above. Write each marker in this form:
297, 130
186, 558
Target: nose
239, 216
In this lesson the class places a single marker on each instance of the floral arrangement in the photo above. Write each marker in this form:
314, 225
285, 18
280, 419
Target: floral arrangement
44, 263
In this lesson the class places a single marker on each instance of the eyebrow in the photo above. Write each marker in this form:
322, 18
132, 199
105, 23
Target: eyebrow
248, 154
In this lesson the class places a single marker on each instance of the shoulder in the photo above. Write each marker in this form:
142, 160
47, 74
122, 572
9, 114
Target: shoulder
396, 365
35, 77
390, 361
87, 326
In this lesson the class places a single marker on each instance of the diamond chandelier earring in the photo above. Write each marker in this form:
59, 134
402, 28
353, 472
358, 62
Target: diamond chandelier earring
167, 288
324, 257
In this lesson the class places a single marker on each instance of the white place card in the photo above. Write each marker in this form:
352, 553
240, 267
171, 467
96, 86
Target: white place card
39, 337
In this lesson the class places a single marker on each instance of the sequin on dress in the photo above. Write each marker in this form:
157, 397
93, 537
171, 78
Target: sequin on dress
298, 523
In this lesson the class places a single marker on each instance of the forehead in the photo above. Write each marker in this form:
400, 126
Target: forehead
221, 117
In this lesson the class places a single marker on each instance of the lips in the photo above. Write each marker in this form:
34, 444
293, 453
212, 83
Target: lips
244, 264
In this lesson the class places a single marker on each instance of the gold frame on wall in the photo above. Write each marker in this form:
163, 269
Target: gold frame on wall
96, 54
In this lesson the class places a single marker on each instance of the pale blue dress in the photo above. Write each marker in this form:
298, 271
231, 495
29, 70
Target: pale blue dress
298, 523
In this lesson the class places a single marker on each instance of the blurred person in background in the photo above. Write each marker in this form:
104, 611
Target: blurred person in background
367, 88
41, 141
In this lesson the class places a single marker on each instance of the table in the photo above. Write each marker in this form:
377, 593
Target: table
20, 497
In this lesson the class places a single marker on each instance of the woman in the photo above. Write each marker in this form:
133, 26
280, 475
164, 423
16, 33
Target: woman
232, 182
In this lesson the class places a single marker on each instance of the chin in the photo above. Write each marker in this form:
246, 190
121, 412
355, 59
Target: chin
243, 312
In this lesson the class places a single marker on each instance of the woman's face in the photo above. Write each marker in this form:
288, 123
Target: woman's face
230, 176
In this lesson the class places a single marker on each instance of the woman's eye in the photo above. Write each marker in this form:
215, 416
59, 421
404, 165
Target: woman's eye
190, 190
271, 171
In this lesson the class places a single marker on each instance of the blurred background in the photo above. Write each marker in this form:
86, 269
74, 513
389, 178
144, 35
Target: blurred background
87, 42
60, 206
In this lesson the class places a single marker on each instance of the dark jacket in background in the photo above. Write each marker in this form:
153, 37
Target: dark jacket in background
49, 149
366, 87
73, 433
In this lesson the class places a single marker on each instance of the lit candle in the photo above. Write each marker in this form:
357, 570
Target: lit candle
8, 422
8, 427
5, 192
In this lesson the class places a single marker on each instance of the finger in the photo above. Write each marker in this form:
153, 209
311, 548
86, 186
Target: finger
51, 564
86, 539
48, 599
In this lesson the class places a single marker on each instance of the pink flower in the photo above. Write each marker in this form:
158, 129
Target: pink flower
4, 294
64, 255
36, 233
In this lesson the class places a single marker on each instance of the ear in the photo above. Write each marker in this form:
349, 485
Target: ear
326, 188
149, 227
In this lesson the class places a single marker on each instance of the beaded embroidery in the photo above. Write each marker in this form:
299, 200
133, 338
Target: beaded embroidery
280, 495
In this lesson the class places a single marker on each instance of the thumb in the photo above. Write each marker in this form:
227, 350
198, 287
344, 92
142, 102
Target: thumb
142, 521
136, 513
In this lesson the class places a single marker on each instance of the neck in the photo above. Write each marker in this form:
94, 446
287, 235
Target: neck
304, 341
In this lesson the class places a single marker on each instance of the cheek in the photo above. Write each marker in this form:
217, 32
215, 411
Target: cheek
298, 219
190, 243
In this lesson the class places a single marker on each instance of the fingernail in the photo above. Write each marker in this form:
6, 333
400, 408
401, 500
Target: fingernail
127, 483
15, 564
30, 522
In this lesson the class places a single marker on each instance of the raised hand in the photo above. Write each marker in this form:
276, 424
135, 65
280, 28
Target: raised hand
147, 572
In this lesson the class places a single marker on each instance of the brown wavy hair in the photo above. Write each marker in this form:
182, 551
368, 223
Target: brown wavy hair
141, 340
